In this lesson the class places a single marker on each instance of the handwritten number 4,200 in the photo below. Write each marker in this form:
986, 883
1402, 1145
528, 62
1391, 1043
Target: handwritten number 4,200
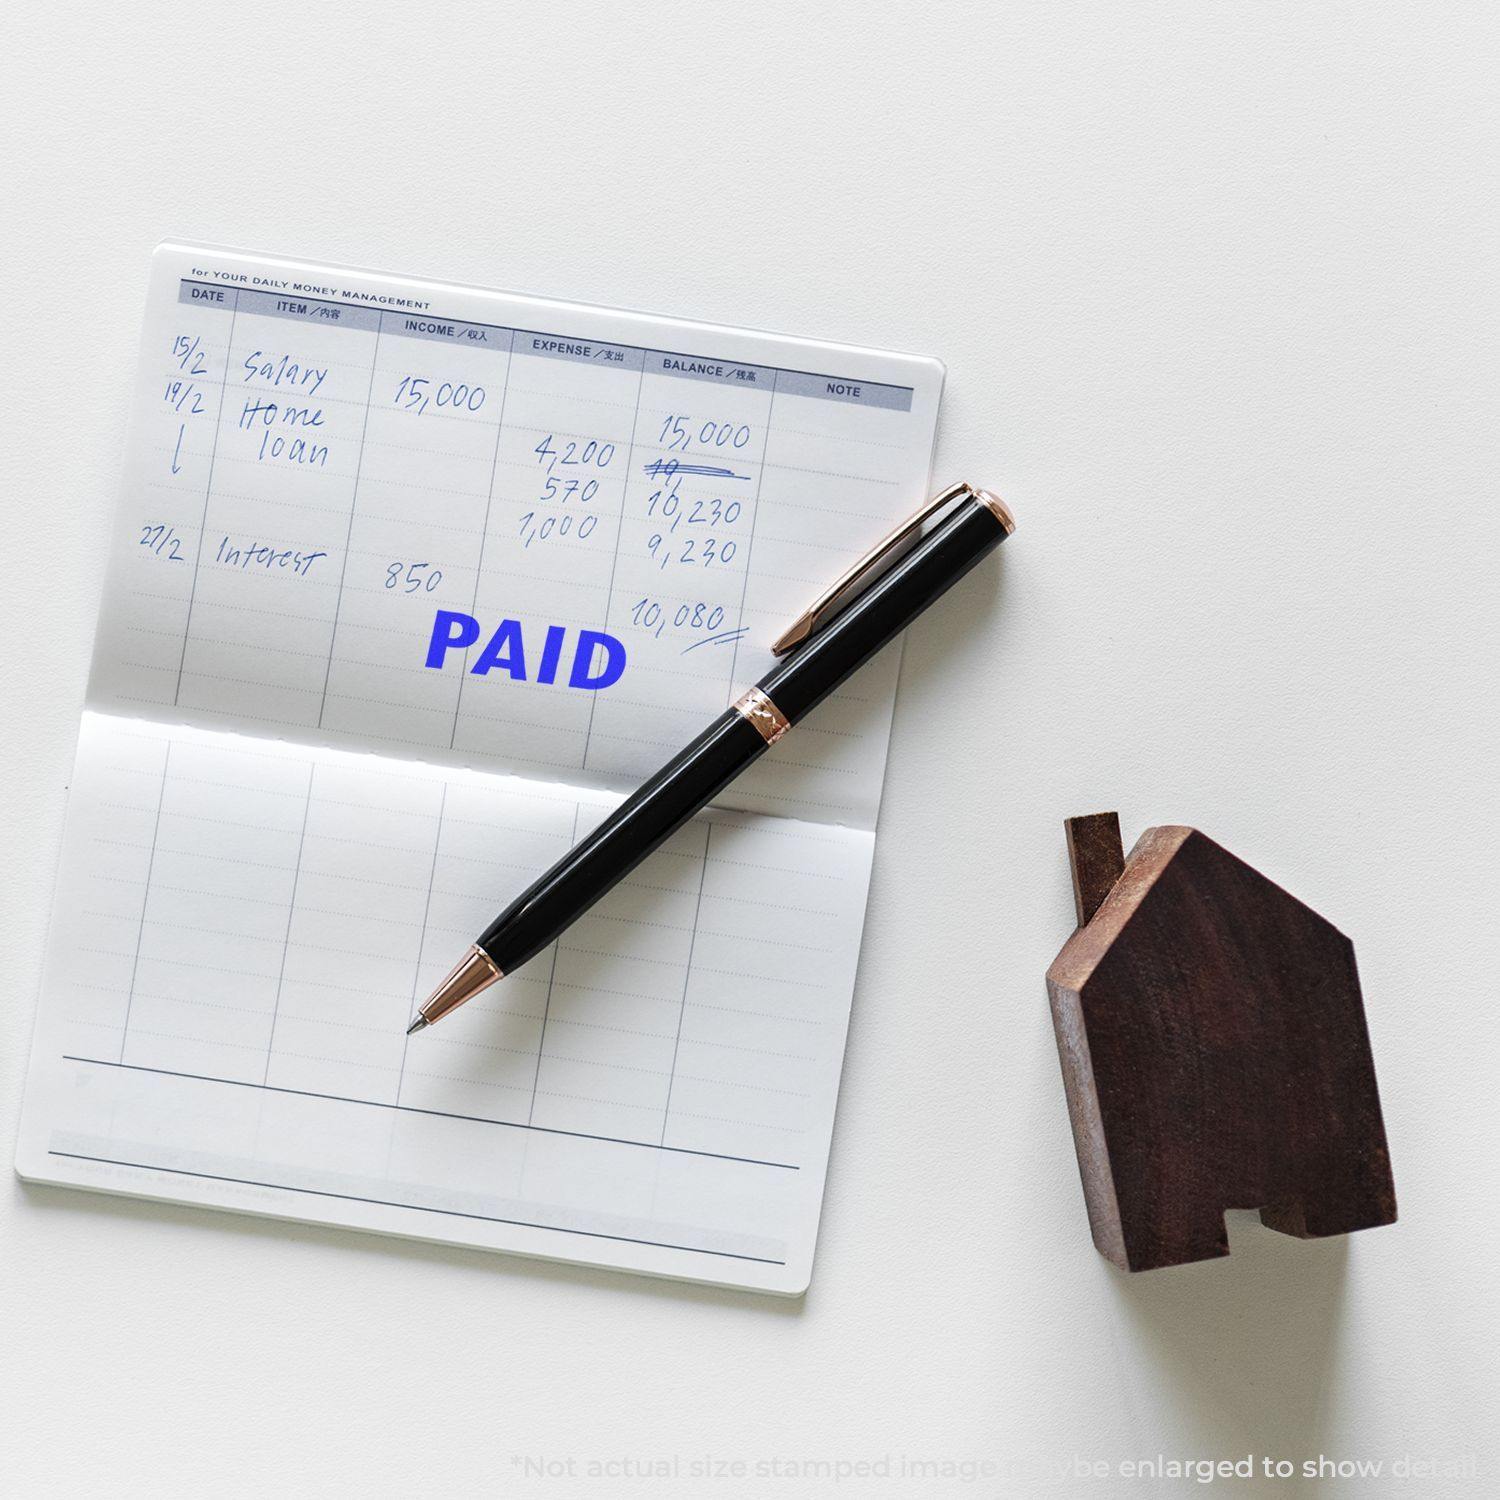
589, 454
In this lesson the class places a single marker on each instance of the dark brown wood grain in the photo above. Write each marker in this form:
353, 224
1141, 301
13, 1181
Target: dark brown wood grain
1096, 855
1214, 1051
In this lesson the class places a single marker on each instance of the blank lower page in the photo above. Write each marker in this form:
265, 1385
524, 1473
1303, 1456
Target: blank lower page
410, 584
250, 925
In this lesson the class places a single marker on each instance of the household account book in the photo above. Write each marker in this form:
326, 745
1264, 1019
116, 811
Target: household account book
410, 585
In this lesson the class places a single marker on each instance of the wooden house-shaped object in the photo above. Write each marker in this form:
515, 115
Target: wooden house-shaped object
1214, 1052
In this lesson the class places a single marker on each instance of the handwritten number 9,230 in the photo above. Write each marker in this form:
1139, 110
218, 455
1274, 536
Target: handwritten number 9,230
695, 552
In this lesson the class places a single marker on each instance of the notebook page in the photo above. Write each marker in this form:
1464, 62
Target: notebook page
410, 584
243, 928
609, 516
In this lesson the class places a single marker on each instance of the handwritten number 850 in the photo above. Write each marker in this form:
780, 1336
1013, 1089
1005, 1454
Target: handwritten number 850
413, 578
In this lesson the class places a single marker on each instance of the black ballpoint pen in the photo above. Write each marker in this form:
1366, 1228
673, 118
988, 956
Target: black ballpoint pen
830, 641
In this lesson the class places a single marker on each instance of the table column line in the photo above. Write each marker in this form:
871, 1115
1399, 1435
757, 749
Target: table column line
484, 530
541, 1041
416, 977
760, 480
208, 489
140, 932
359, 462
291, 912
687, 979
614, 562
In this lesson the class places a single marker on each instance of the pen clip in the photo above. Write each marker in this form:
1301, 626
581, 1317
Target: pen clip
840, 592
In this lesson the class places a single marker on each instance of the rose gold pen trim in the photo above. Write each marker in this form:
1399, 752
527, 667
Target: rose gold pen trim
998, 507
474, 972
831, 601
764, 715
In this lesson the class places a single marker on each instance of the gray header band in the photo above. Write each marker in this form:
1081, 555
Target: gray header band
446, 331
696, 367
832, 388
580, 351
546, 345
282, 305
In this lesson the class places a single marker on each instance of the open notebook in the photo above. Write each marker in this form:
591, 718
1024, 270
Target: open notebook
301, 789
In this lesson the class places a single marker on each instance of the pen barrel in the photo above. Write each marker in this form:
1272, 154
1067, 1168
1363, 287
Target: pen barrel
638, 827
837, 650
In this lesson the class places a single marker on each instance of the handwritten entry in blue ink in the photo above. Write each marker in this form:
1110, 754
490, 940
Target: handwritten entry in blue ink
484, 529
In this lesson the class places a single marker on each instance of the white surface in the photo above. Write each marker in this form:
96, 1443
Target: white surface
1214, 289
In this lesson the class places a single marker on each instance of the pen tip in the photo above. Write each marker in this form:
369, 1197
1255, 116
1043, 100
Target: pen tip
418, 1022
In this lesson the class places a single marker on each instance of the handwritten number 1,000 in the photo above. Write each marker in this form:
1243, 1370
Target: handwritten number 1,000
533, 530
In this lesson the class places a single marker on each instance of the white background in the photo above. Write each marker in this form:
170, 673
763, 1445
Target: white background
1214, 285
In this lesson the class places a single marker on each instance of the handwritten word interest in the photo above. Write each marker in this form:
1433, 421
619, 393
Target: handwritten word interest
258, 555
